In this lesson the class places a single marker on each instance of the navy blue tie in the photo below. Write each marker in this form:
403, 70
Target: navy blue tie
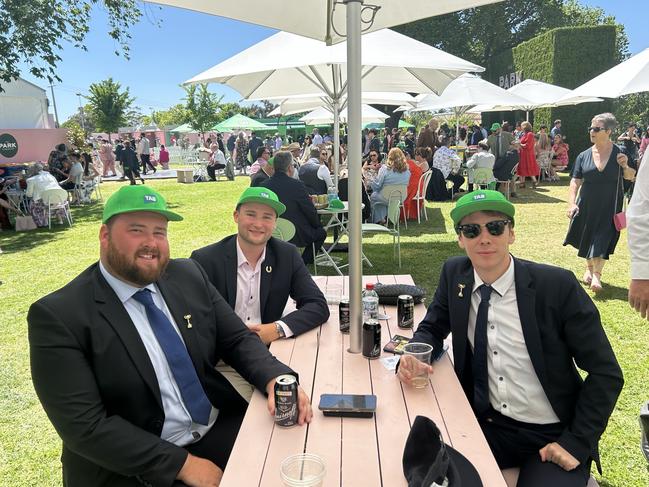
180, 363
480, 375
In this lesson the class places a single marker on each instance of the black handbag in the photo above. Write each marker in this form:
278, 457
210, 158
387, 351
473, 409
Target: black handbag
389, 293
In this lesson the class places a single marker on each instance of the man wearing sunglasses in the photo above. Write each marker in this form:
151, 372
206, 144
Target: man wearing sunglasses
520, 330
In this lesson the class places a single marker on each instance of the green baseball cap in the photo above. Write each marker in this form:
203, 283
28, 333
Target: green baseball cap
264, 196
481, 200
137, 198
495, 126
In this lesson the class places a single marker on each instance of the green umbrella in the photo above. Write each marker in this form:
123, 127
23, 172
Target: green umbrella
404, 125
239, 122
184, 129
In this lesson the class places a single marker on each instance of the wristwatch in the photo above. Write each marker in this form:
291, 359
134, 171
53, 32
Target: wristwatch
280, 330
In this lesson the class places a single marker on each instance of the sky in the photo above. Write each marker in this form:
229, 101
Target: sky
171, 45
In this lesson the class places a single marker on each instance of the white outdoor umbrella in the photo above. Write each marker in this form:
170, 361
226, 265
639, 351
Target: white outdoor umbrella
630, 76
299, 104
330, 21
466, 92
540, 95
322, 116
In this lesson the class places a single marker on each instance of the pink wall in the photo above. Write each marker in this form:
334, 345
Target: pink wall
34, 144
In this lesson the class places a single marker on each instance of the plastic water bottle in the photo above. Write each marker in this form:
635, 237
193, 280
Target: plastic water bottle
332, 194
370, 302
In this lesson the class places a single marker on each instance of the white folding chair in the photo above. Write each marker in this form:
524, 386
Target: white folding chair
56, 199
402, 191
483, 178
420, 196
395, 204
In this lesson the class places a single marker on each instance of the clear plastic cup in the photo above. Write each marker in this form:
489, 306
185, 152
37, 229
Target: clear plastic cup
303, 470
333, 293
422, 352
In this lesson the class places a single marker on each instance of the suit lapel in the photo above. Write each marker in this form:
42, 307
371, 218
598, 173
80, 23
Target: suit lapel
111, 308
182, 315
267, 269
526, 298
459, 305
231, 272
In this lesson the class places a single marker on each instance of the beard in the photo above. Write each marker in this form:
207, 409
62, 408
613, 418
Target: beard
126, 267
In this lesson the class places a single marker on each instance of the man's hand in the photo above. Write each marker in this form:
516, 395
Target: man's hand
267, 332
410, 367
305, 413
622, 159
553, 452
639, 296
572, 210
199, 472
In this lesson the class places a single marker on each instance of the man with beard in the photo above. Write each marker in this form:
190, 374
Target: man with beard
256, 274
123, 359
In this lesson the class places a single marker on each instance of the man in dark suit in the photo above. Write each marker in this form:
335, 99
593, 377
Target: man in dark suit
256, 274
520, 330
123, 359
253, 145
299, 209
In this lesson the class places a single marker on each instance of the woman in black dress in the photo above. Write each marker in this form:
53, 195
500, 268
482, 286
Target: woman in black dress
599, 172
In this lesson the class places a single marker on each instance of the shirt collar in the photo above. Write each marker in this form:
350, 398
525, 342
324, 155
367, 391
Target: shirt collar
502, 284
241, 258
123, 290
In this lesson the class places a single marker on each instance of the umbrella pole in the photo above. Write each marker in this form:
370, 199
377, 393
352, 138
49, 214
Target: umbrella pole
354, 168
336, 110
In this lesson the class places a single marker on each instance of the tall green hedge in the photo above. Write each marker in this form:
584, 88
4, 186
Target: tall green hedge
567, 57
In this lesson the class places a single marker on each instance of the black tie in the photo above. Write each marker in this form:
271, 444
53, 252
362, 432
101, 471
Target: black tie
480, 375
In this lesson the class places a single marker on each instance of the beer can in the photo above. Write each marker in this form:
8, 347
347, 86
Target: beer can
343, 315
405, 311
371, 338
286, 400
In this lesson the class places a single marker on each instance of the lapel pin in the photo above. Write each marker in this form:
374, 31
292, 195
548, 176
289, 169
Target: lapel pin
269, 269
189, 323
460, 290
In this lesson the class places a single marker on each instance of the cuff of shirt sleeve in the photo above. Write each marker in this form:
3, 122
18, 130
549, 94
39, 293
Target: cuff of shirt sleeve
639, 270
287, 331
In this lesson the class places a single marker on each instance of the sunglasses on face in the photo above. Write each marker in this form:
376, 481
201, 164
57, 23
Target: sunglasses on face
472, 230
596, 129
374, 155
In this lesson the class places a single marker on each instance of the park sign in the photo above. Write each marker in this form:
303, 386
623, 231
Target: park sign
8, 145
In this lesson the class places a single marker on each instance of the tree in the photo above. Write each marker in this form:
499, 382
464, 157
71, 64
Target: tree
32, 33
176, 115
477, 34
86, 120
202, 107
110, 107
76, 135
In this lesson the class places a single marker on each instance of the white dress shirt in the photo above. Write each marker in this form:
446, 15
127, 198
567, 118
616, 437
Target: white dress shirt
178, 427
248, 303
514, 388
317, 139
638, 222
39, 183
143, 146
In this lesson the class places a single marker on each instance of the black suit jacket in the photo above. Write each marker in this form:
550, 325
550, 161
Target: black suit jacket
283, 274
299, 208
561, 326
96, 382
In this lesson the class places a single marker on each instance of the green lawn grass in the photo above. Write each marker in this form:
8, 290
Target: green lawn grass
38, 262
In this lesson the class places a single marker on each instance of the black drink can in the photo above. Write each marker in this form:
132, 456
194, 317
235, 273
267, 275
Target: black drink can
405, 311
343, 315
286, 400
371, 338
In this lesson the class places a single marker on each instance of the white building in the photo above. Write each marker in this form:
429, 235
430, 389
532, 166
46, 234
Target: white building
23, 105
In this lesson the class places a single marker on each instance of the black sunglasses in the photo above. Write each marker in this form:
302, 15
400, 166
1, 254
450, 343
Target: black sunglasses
596, 129
472, 230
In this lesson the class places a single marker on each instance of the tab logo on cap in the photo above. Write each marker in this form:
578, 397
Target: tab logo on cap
479, 197
264, 195
150, 198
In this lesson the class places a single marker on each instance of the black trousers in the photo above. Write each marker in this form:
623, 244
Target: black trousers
217, 444
146, 161
516, 444
457, 180
211, 170
307, 254
131, 172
